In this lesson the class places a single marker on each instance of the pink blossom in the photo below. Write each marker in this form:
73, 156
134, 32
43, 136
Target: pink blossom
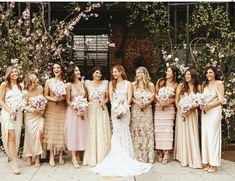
28, 38
12, 5
19, 22
26, 14
38, 47
57, 52
66, 32
71, 27
96, 15
14, 61
111, 45
3, 17
33, 20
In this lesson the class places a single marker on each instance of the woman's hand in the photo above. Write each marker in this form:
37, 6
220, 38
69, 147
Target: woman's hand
205, 107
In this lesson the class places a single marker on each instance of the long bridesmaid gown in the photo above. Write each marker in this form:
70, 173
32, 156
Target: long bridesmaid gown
211, 130
186, 147
99, 129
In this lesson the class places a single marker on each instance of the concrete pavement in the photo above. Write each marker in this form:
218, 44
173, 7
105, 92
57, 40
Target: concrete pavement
159, 172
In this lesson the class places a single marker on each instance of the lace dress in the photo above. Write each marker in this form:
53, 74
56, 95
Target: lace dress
99, 129
142, 131
211, 130
7, 123
119, 160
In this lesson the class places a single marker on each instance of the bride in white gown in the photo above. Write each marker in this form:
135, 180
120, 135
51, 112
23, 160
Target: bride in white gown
119, 161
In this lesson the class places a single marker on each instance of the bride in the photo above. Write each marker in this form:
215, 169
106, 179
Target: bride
119, 161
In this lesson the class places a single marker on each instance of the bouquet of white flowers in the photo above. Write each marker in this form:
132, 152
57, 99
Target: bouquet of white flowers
119, 108
79, 103
201, 98
165, 93
16, 104
59, 89
97, 95
38, 102
186, 103
143, 97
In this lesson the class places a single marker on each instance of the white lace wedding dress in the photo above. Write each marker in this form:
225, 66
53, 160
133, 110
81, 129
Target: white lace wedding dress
119, 161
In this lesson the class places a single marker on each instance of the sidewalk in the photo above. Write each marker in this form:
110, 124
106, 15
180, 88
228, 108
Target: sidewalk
169, 172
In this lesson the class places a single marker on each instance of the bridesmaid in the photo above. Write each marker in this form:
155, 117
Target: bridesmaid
55, 113
211, 119
11, 120
75, 124
99, 130
33, 121
165, 115
186, 148
142, 116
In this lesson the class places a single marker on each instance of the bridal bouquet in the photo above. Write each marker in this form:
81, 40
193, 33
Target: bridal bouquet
187, 102
119, 108
79, 103
16, 104
143, 97
201, 98
38, 102
59, 89
165, 93
97, 95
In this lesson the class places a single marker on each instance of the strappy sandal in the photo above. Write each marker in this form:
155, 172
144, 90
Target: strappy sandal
166, 158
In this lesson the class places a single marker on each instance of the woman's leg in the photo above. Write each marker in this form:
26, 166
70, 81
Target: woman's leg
13, 151
52, 158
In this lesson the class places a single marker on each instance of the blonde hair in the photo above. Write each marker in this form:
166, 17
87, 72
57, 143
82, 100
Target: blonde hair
28, 80
146, 78
121, 69
8, 79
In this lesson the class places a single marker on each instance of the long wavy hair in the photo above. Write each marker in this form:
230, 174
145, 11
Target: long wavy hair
121, 69
62, 70
162, 81
195, 82
70, 73
216, 72
8, 79
146, 78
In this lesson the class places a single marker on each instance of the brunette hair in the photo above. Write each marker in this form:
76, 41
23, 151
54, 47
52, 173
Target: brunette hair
70, 73
98, 67
121, 69
216, 72
62, 70
194, 76
162, 81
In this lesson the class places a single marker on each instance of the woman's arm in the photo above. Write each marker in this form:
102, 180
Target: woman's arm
106, 95
68, 94
3, 89
133, 98
47, 92
110, 91
177, 96
221, 100
129, 93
